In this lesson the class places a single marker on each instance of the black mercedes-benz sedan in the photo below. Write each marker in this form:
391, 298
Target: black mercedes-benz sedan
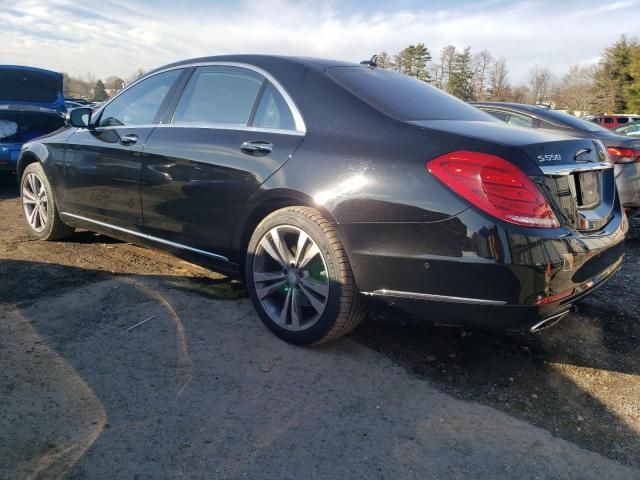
323, 184
623, 151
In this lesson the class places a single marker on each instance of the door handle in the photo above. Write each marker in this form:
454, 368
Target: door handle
257, 147
129, 139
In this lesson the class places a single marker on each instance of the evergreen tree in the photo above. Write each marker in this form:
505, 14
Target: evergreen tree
99, 95
614, 76
632, 90
461, 76
413, 61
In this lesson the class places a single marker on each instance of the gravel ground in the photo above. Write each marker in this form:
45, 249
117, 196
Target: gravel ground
579, 381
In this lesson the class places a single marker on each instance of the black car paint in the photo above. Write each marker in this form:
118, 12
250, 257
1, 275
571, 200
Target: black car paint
364, 171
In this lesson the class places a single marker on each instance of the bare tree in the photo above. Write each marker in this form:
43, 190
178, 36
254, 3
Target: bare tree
483, 62
540, 82
498, 84
575, 91
384, 60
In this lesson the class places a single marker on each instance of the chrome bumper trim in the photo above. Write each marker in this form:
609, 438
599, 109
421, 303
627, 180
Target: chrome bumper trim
549, 321
146, 237
432, 297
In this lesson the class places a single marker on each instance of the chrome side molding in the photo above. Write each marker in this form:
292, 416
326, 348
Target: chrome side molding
433, 297
146, 236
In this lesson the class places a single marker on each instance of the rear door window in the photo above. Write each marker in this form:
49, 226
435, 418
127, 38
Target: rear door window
273, 111
520, 120
218, 96
504, 116
608, 120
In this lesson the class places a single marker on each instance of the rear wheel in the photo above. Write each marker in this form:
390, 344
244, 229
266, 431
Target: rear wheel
39, 205
300, 279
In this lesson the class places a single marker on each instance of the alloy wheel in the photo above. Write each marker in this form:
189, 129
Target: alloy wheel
35, 202
290, 277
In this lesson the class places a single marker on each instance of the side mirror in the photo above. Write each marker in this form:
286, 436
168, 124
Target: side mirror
80, 117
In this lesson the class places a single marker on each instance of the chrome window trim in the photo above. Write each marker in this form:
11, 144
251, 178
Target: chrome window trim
211, 126
433, 297
146, 236
301, 127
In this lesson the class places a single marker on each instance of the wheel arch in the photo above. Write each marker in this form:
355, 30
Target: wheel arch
260, 206
26, 159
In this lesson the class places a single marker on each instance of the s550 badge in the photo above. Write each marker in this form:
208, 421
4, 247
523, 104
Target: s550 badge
555, 157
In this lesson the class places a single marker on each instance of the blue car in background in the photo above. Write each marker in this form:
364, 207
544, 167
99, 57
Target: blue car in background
31, 105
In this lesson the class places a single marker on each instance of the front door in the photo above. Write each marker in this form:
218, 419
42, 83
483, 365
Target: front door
103, 163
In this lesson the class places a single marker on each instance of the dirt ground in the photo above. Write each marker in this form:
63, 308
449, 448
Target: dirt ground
579, 381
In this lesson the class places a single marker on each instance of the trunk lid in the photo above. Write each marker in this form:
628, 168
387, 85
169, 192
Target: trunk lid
30, 86
575, 174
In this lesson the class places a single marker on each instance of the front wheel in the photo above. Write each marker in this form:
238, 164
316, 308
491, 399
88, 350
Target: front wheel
39, 205
300, 279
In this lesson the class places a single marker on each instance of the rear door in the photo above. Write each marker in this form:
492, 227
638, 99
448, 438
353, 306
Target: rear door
103, 163
231, 129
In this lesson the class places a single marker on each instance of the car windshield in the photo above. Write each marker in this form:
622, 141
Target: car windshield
574, 122
404, 98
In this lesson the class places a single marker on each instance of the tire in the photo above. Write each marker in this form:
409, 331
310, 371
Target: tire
326, 278
39, 206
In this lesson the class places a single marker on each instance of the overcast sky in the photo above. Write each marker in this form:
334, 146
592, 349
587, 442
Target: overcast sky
107, 37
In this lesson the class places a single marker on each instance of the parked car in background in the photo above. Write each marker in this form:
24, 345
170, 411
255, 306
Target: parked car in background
69, 105
632, 129
623, 151
80, 101
31, 105
612, 122
324, 183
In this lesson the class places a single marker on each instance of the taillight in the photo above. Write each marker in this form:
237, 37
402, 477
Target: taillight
623, 155
495, 186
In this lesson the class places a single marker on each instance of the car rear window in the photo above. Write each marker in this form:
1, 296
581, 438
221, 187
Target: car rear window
402, 97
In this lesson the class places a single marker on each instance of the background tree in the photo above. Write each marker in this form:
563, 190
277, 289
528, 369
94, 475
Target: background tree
575, 90
498, 83
99, 95
114, 83
483, 62
632, 90
540, 80
413, 61
461, 75
447, 58
385, 61
614, 76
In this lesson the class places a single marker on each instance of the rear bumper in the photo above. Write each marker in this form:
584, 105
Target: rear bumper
478, 313
468, 271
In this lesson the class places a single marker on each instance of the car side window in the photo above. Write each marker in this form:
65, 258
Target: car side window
273, 111
218, 95
139, 104
499, 115
520, 120
608, 120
